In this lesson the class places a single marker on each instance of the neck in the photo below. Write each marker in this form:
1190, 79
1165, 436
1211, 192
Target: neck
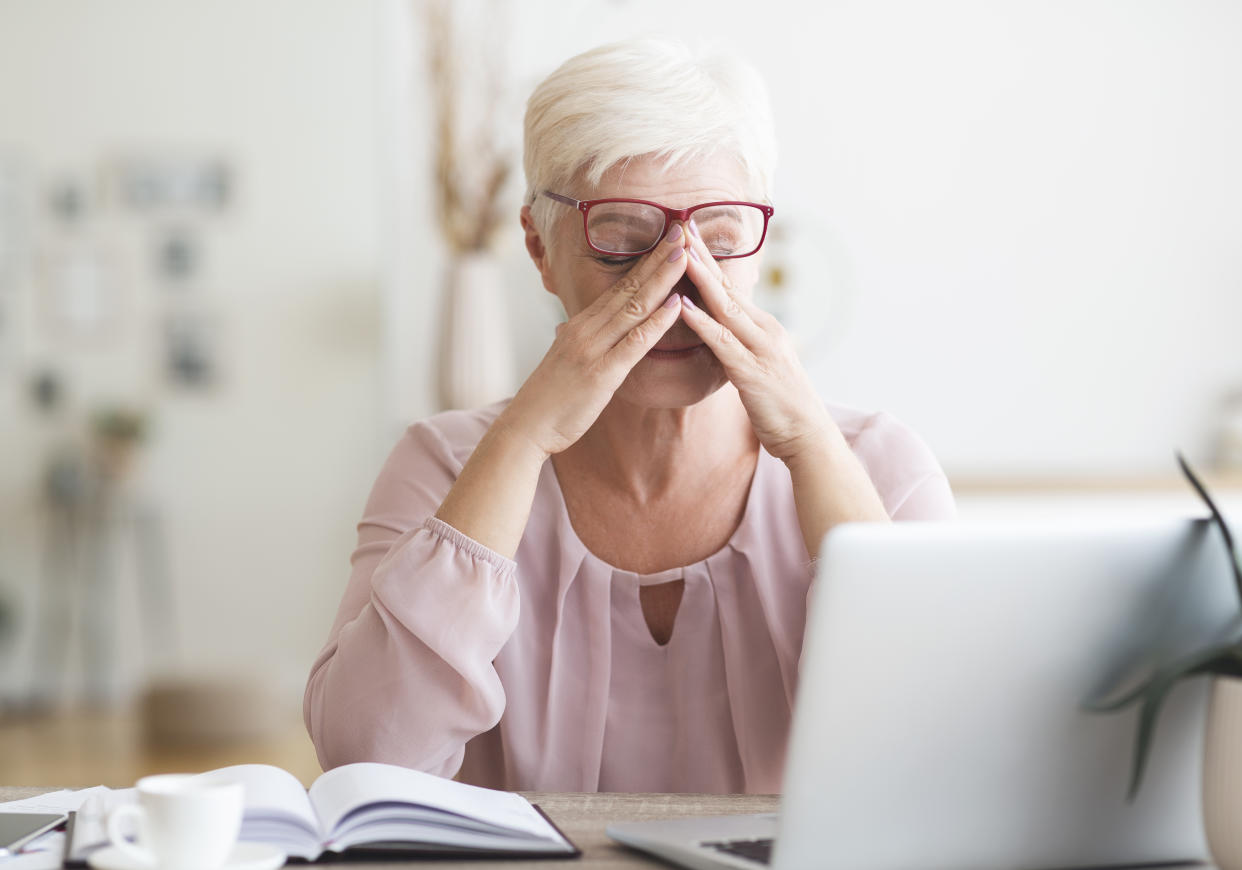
645, 453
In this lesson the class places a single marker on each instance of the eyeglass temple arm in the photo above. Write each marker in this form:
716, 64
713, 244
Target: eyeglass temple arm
569, 201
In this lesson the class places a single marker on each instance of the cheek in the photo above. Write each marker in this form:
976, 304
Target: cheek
744, 274
578, 285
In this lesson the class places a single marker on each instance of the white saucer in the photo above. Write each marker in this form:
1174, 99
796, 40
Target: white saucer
245, 856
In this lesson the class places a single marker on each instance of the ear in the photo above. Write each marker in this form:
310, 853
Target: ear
537, 249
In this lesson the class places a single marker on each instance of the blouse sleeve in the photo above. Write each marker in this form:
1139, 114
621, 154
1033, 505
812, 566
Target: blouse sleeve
406, 676
903, 468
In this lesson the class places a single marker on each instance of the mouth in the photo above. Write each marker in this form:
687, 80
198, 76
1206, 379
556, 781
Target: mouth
675, 353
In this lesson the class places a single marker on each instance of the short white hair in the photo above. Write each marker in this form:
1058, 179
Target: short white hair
650, 96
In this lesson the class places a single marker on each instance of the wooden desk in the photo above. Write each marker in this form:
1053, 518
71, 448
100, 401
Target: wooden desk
583, 818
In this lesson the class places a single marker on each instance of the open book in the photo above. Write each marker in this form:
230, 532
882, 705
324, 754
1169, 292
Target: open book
373, 809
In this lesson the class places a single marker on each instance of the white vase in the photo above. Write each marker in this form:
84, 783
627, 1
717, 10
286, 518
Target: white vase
1222, 774
475, 354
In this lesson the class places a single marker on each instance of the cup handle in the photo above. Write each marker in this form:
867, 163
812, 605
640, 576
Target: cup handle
117, 839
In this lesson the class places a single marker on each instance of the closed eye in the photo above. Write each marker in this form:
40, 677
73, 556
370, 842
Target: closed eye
614, 262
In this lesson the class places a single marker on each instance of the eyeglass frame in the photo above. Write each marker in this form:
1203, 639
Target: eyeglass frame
670, 215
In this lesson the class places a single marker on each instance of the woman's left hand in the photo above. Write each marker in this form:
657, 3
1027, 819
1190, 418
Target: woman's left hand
759, 358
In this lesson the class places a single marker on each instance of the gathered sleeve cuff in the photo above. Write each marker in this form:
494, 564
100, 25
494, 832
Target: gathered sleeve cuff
455, 595
469, 546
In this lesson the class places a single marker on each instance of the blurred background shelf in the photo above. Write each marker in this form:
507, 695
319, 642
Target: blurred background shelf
1225, 483
1066, 499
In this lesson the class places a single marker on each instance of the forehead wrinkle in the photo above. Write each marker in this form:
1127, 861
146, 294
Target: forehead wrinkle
618, 218
723, 211
676, 200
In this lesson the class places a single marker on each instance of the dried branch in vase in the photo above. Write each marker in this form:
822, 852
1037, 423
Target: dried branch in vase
469, 182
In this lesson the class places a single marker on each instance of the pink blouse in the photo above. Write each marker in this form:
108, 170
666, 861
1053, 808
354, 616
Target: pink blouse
430, 665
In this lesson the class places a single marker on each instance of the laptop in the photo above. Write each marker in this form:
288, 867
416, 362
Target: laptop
940, 717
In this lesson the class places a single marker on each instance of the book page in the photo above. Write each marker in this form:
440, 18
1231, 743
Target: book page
413, 838
89, 832
345, 789
278, 810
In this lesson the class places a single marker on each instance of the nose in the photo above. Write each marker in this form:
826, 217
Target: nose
686, 287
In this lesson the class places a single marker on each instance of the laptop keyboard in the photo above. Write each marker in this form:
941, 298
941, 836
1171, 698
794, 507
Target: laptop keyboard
759, 851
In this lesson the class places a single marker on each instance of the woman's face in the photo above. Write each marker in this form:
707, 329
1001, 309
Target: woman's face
578, 275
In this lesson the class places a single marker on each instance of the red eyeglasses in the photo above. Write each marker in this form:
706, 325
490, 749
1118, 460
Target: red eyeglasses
631, 227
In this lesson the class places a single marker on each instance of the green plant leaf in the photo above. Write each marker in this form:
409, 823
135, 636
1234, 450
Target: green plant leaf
1223, 659
1219, 519
1168, 672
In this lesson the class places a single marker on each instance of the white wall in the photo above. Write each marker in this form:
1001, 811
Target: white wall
1040, 203
262, 478
1015, 224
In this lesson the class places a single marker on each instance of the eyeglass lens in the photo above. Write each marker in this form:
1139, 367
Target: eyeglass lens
632, 227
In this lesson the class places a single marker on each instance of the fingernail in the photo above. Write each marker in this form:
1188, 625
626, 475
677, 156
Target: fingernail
674, 234
677, 252
685, 300
673, 300
694, 229
694, 255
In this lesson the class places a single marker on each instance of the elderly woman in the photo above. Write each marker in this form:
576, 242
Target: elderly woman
601, 583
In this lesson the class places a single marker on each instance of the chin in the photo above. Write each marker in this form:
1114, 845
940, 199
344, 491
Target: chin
672, 385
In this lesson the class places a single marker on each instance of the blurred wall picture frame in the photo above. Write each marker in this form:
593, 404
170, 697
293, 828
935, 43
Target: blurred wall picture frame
176, 254
78, 273
12, 244
159, 182
192, 353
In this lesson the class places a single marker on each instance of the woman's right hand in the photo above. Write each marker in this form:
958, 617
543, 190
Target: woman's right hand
590, 357
595, 350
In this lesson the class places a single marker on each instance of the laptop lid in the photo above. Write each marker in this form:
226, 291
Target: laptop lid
939, 720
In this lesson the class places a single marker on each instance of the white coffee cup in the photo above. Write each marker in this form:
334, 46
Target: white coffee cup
185, 821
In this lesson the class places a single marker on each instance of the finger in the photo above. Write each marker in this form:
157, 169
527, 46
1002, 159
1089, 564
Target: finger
670, 248
763, 318
632, 299
643, 336
640, 272
720, 340
723, 303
